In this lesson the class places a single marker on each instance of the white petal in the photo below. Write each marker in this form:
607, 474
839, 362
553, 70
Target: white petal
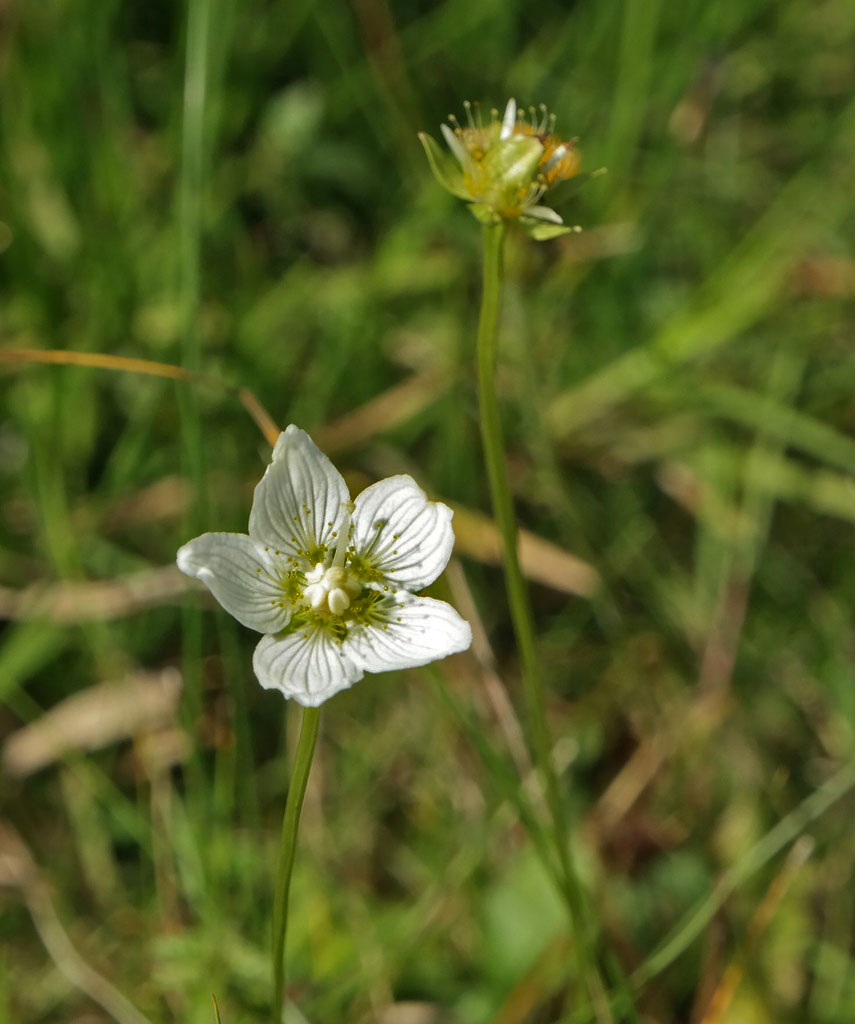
544, 213
407, 631
401, 534
509, 120
241, 576
301, 499
454, 144
309, 665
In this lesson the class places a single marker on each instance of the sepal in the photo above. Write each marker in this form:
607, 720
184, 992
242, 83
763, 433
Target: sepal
445, 169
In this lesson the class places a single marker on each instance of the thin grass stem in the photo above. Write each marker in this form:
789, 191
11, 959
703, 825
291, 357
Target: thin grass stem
287, 846
521, 612
190, 188
692, 924
786, 830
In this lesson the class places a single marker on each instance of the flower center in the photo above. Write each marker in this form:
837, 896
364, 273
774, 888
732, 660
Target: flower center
330, 590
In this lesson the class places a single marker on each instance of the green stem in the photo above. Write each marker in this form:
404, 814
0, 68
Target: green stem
520, 607
287, 846
190, 187
786, 830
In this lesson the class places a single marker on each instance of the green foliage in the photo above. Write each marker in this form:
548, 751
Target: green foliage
677, 393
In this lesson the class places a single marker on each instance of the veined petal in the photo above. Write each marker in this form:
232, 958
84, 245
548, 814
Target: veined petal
309, 665
400, 534
241, 576
301, 499
406, 631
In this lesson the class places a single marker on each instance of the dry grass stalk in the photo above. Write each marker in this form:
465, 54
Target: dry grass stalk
389, 409
541, 560
18, 871
94, 718
86, 601
726, 989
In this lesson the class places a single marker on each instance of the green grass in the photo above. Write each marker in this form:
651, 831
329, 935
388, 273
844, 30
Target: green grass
676, 386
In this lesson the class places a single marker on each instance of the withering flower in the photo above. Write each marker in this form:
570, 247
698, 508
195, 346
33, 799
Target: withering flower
505, 167
331, 582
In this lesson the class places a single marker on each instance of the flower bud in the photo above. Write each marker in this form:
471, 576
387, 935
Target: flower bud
505, 167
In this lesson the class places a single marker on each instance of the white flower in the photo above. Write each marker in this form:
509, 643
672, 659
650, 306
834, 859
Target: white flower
328, 581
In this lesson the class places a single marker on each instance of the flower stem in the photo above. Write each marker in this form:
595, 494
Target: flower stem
287, 846
520, 608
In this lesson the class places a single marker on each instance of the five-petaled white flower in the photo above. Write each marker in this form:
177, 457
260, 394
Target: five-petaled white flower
328, 581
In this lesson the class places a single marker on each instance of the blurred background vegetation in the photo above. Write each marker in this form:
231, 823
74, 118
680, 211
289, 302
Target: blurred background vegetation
238, 188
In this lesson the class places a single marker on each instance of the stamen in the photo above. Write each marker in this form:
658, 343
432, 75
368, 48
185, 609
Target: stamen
316, 595
467, 106
535, 194
452, 140
509, 120
556, 158
344, 531
338, 601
